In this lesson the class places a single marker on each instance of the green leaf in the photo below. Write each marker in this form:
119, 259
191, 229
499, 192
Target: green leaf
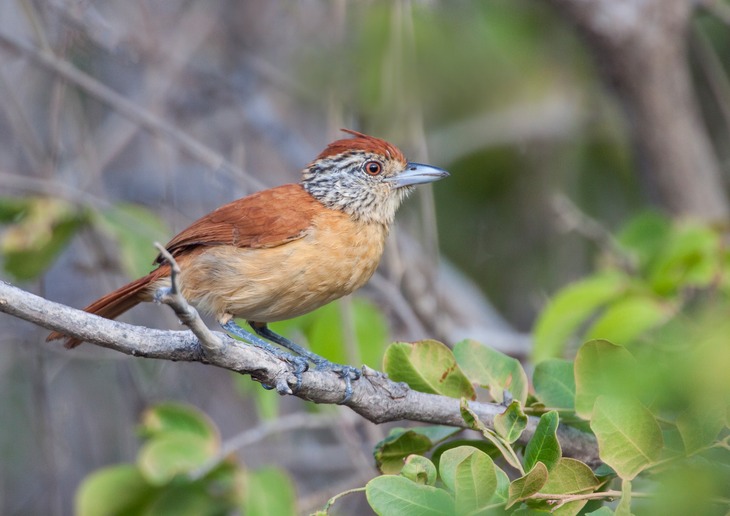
526, 486
554, 383
427, 366
501, 493
470, 474
624, 505
12, 209
390, 495
699, 426
627, 319
544, 446
436, 433
569, 309
42, 231
485, 446
471, 418
186, 500
135, 229
113, 490
602, 368
530, 511
691, 257
488, 367
644, 236
448, 462
400, 443
691, 487
172, 417
629, 438
269, 491
420, 470
603, 511
570, 476
511, 423
171, 454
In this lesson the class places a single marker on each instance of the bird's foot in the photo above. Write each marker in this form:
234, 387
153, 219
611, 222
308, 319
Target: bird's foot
347, 372
300, 364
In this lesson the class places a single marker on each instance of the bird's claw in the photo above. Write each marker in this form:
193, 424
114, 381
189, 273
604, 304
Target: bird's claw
282, 386
300, 366
346, 372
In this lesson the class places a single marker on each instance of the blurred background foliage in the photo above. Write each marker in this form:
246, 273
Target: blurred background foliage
232, 97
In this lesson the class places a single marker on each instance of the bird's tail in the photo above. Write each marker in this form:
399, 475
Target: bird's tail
117, 302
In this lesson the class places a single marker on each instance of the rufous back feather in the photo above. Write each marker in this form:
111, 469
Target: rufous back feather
263, 219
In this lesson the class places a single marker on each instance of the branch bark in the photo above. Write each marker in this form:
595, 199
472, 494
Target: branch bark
375, 397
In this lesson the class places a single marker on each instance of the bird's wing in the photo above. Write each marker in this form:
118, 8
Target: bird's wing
264, 219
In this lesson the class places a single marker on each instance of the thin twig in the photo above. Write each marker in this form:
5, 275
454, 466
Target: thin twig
332, 500
561, 499
127, 108
187, 314
576, 220
19, 123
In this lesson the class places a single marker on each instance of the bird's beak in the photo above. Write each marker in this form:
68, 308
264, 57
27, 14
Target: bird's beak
416, 174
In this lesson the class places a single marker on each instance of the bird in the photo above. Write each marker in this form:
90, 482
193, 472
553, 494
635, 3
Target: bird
288, 250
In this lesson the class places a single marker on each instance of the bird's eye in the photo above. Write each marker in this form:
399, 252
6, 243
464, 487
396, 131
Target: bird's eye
373, 168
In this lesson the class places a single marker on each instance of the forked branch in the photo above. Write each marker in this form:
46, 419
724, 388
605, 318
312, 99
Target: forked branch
375, 397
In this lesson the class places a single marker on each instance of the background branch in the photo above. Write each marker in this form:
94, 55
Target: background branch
375, 397
642, 51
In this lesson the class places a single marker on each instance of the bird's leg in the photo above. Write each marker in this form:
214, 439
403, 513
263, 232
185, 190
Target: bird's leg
346, 372
300, 363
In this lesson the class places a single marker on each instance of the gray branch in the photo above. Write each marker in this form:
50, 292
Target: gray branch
375, 397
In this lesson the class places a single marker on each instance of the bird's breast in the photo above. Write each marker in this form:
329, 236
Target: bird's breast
335, 256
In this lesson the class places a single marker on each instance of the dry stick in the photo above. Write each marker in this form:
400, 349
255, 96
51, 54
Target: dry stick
375, 397
127, 108
188, 315
559, 500
576, 220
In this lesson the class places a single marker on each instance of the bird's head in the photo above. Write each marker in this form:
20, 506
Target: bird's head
366, 177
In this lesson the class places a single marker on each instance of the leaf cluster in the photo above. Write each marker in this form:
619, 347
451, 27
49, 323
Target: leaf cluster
437, 470
35, 230
654, 273
180, 470
649, 383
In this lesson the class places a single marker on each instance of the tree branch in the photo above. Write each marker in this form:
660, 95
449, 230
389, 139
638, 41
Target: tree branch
375, 397
641, 49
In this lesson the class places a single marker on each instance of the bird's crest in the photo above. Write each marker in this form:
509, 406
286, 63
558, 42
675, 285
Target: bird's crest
362, 142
